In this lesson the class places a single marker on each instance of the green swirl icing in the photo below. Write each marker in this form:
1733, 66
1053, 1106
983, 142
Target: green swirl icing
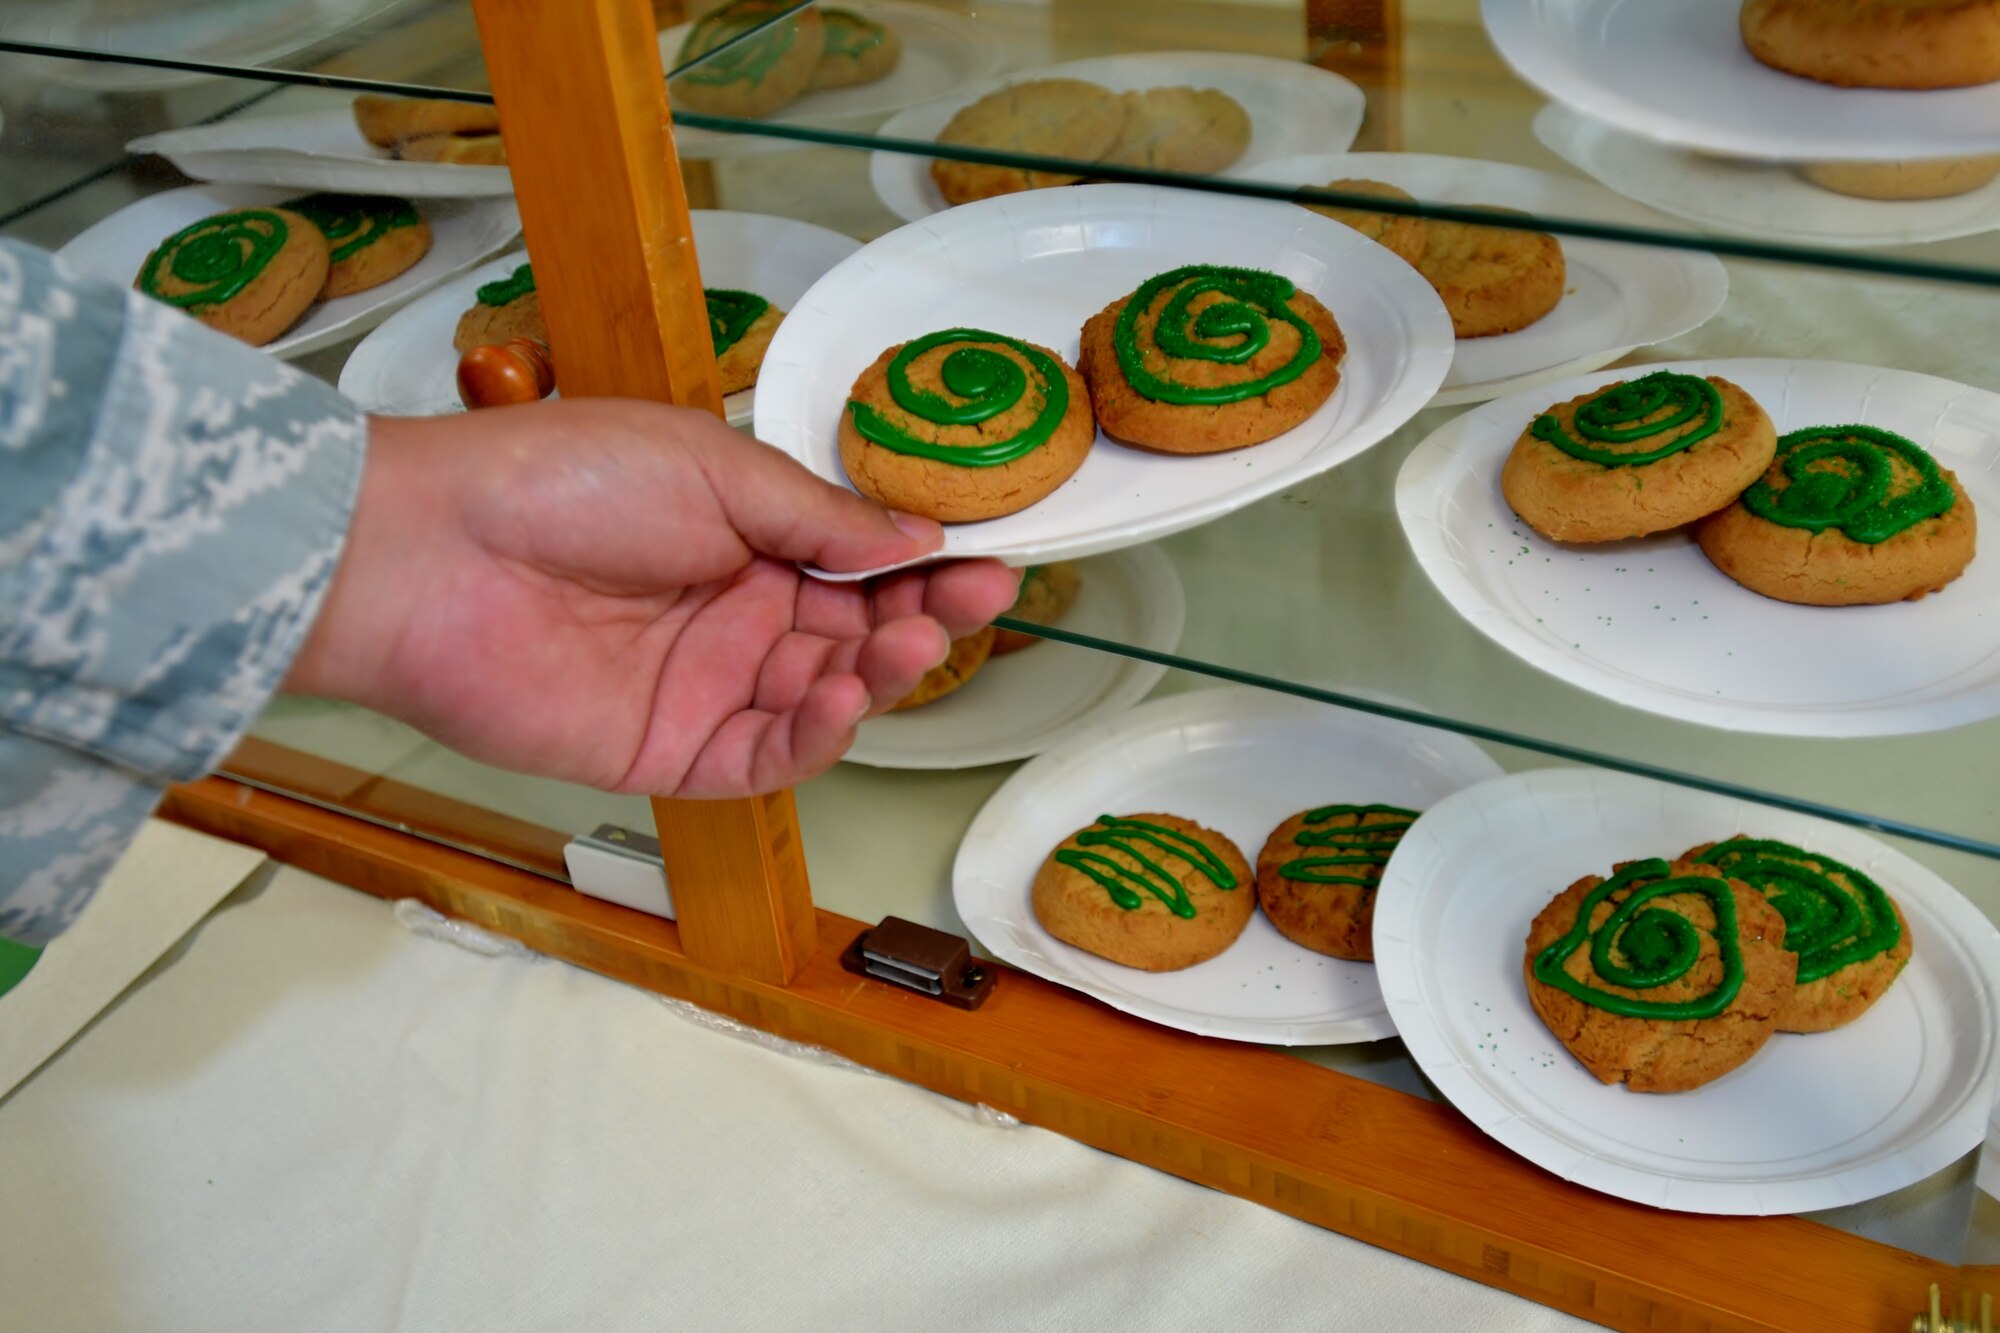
849, 34
1354, 845
730, 315
353, 222
510, 288
1230, 331
1834, 914
1846, 477
1630, 413
1644, 948
982, 383
747, 60
219, 256
1125, 883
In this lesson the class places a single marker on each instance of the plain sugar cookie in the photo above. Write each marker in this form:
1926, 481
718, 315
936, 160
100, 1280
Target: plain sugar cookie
1877, 43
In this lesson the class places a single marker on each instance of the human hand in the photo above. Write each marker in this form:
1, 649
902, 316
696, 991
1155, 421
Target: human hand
604, 591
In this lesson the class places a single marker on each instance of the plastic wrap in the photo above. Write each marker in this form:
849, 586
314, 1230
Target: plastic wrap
977, 1112
421, 920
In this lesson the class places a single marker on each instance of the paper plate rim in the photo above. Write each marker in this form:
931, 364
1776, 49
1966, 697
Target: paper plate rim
1961, 1128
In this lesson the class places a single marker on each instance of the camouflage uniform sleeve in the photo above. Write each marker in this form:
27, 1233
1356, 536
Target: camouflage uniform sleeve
172, 504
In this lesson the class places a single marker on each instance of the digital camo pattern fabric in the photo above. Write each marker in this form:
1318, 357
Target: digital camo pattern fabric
172, 505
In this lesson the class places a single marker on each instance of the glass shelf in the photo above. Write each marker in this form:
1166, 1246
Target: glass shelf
1274, 590
1423, 79
1429, 80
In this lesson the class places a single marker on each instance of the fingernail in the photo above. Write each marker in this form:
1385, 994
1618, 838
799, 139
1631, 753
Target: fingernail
860, 716
923, 531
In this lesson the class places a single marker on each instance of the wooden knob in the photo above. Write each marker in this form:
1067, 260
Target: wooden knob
495, 375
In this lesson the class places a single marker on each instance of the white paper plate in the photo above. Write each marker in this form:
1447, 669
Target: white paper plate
1761, 200
1810, 1122
1294, 108
462, 233
1652, 624
942, 51
1678, 71
1037, 265
1617, 297
1025, 702
1237, 760
316, 150
409, 368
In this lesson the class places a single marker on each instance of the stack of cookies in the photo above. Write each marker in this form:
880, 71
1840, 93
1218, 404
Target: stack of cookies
1492, 279
1160, 892
417, 129
1047, 594
1836, 515
1178, 129
1884, 44
968, 424
1903, 44
767, 53
253, 273
1670, 974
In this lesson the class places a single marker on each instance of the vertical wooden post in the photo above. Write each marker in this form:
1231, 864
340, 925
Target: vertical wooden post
738, 872
1362, 40
583, 105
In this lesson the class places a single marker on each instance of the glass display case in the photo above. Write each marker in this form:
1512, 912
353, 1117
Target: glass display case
1408, 584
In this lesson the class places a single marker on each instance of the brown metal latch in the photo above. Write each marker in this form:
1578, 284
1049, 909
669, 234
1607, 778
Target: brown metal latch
930, 962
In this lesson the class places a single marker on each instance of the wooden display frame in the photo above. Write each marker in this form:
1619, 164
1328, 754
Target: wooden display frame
1382, 1166
583, 100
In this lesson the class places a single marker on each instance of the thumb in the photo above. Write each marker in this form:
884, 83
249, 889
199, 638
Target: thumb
780, 509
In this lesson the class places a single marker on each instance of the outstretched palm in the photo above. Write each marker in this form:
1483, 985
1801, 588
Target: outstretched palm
604, 591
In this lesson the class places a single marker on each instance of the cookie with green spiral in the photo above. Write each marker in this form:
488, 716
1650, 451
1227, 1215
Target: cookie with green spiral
740, 326
1663, 977
249, 273
1637, 456
964, 424
1846, 515
1851, 938
748, 58
507, 307
858, 50
1205, 358
373, 237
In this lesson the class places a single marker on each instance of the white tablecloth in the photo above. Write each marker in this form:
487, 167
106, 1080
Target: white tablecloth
315, 1119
